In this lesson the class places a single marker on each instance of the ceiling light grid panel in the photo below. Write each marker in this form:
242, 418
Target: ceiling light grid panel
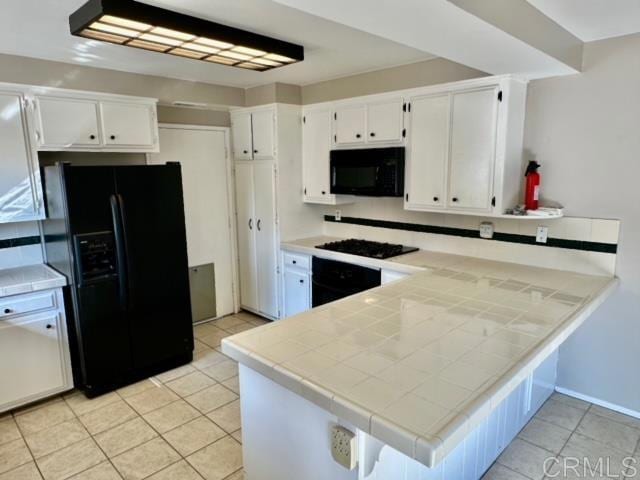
134, 24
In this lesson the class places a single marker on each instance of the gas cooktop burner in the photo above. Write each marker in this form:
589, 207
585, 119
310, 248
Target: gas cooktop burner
365, 248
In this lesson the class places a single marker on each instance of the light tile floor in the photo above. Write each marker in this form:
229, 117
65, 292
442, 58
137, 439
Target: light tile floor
181, 425
185, 425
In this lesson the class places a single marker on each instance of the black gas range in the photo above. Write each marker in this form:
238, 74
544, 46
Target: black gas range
365, 248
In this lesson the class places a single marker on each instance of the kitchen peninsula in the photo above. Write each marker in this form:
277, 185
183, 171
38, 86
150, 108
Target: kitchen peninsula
451, 360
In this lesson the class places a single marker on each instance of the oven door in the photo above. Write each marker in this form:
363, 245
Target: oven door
335, 280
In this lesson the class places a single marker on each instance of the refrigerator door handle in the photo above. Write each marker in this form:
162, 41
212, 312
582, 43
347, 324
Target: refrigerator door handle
121, 251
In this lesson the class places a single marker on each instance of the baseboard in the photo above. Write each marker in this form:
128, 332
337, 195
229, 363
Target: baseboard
597, 401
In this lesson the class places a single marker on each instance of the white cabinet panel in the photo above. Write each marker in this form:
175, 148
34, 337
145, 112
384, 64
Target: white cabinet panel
473, 139
241, 135
263, 125
385, 121
32, 350
246, 236
428, 151
20, 187
388, 276
128, 124
316, 145
266, 240
297, 297
349, 123
67, 122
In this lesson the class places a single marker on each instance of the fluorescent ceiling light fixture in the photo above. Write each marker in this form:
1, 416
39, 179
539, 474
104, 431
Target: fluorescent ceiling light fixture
134, 24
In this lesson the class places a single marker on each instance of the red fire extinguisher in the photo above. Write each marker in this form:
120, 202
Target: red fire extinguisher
532, 190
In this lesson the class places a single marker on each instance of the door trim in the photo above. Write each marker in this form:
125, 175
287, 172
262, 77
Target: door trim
233, 234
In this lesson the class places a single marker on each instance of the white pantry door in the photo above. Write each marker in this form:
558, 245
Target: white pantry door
202, 154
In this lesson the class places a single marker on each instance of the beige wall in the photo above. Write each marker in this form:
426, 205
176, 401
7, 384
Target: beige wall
193, 116
273, 93
419, 74
585, 131
32, 71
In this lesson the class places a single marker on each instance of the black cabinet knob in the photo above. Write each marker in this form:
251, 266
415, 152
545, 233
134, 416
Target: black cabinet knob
255, 151
372, 134
112, 137
436, 199
49, 326
358, 135
245, 151
454, 199
301, 281
294, 261
7, 310
92, 137
323, 192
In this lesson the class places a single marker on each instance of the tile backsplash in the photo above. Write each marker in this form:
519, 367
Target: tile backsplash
584, 245
17, 256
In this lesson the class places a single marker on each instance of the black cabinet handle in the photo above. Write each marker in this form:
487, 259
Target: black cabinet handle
436, 199
7, 310
250, 224
358, 135
92, 137
112, 137
258, 225
454, 199
49, 327
372, 134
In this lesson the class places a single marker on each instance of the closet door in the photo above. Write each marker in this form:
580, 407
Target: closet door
241, 135
266, 238
246, 236
473, 140
316, 145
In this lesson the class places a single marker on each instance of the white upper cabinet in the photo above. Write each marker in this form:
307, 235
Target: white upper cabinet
92, 122
68, 123
129, 124
473, 138
253, 134
464, 149
241, 136
263, 126
385, 121
349, 124
20, 187
428, 151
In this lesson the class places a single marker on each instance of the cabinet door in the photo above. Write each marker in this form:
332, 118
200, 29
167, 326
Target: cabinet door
349, 122
20, 188
128, 124
384, 121
473, 139
246, 236
266, 242
296, 292
263, 127
316, 145
31, 350
66, 122
428, 151
241, 136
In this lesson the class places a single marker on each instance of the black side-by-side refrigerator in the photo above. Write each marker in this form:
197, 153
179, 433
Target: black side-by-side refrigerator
118, 234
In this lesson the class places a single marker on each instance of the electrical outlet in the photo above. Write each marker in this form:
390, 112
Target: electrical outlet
486, 230
338, 215
541, 234
344, 447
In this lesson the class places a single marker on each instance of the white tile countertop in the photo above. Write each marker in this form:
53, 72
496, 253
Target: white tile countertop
30, 278
421, 362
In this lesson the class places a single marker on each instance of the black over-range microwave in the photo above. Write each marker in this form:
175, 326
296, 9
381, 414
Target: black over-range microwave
369, 172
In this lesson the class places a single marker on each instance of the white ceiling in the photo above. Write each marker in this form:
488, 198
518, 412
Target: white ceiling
591, 20
40, 28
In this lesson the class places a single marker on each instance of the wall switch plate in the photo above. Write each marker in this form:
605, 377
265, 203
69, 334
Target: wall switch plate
486, 230
541, 234
338, 215
344, 447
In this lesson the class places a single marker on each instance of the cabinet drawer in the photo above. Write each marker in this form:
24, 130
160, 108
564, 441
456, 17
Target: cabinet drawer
32, 302
298, 261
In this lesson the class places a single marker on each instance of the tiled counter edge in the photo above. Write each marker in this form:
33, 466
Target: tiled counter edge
428, 451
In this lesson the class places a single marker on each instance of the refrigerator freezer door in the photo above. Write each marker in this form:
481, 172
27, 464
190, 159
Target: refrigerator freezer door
159, 308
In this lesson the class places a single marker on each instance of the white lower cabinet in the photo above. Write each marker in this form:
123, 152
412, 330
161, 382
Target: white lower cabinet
34, 351
297, 283
257, 237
